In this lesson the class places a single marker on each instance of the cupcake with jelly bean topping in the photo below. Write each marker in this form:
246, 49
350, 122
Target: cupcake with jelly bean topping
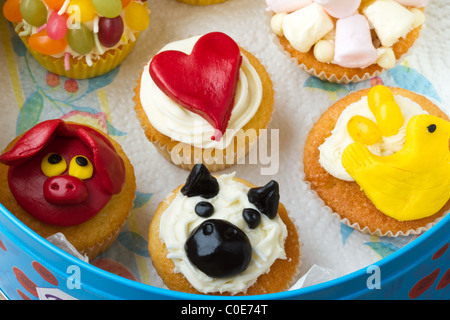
78, 38
346, 40
202, 2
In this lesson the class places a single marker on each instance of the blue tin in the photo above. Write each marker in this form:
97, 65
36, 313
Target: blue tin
33, 268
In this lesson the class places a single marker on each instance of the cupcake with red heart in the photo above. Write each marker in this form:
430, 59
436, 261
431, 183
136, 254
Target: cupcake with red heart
63, 177
204, 100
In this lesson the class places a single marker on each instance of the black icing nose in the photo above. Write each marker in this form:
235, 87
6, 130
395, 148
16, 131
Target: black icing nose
218, 248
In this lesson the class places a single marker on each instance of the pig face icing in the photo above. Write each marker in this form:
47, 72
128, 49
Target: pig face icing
63, 174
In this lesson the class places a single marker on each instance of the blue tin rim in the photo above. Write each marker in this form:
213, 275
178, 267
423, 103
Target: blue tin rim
420, 244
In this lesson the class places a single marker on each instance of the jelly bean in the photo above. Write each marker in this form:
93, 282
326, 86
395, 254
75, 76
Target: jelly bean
80, 40
110, 31
125, 3
386, 111
57, 25
54, 4
389, 118
42, 43
34, 12
136, 16
108, 8
377, 95
82, 10
11, 11
363, 130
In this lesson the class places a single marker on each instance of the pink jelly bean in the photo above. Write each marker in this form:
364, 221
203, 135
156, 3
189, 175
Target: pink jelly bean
57, 26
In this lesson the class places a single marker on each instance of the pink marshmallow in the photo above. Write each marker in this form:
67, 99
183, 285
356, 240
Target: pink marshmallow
339, 8
413, 3
278, 6
353, 46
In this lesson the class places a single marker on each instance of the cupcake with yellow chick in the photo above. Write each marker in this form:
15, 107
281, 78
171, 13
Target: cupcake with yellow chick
78, 38
380, 160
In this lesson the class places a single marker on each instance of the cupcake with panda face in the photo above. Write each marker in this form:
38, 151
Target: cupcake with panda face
78, 38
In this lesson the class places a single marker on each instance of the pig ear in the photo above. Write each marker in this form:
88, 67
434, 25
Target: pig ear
107, 162
200, 182
266, 198
31, 142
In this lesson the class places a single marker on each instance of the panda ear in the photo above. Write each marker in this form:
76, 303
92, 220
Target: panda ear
200, 182
266, 198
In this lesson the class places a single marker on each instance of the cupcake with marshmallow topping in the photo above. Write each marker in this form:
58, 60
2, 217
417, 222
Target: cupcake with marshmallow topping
346, 41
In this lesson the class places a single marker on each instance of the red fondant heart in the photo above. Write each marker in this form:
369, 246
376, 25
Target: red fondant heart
203, 82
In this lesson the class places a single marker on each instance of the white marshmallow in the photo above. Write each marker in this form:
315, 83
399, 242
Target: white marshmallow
304, 27
390, 20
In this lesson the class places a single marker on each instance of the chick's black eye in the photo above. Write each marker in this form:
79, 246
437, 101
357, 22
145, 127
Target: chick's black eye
431, 128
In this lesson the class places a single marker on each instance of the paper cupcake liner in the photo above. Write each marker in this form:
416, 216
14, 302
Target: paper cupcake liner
93, 251
79, 69
201, 2
331, 77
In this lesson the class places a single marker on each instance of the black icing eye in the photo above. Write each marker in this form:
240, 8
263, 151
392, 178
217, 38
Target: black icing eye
218, 248
54, 158
81, 161
431, 128
252, 217
204, 209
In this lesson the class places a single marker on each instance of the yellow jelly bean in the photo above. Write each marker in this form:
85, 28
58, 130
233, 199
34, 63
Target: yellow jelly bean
389, 118
377, 96
363, 130
136, 16
82, 10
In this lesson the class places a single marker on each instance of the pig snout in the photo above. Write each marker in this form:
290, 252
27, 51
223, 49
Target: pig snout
65, 190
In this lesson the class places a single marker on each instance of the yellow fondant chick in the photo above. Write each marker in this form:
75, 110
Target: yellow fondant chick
414, 182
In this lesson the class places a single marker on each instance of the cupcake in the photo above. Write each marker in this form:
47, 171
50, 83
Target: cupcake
202, 2
62, 177
78, 38
204, 100
346, 41
224, 236
379, 159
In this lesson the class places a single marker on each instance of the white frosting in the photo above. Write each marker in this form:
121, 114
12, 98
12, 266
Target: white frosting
179, 124
180, 219
331, 150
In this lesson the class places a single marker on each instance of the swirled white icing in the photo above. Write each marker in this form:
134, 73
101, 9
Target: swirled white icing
267, 240
179, 124
331, 150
